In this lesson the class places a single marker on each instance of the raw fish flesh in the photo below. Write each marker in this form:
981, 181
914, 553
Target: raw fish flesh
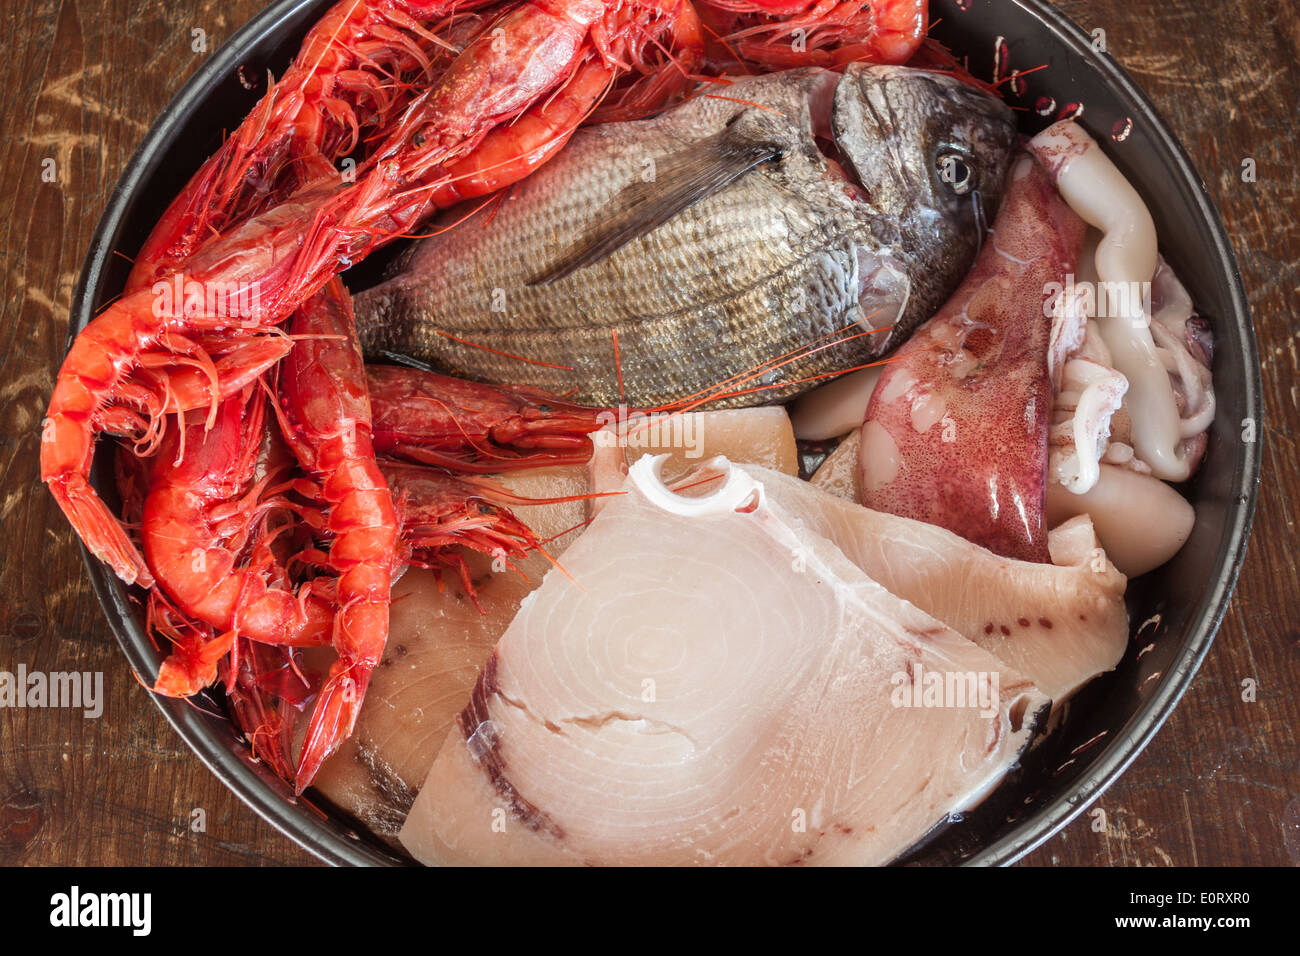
719, 686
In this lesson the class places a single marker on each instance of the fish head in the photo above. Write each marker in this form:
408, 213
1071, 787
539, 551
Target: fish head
924, 146
929, 155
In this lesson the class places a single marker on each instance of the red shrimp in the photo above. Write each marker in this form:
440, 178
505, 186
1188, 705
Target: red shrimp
358, 69
464, 426
199, 533
266, 687
781, 34
325, 417
442, 513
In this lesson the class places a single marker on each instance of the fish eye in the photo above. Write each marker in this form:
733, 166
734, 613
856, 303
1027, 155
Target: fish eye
956, 170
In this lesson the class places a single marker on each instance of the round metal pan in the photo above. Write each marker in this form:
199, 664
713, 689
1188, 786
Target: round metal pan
1177, 608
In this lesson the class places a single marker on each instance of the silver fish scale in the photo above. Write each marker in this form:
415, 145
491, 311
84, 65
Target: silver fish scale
681, 297
762, 268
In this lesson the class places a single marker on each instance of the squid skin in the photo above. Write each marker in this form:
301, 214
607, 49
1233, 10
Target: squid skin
956, 430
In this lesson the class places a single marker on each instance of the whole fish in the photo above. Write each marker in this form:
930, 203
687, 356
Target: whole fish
730, 249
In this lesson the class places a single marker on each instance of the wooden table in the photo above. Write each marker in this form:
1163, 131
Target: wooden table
81, 81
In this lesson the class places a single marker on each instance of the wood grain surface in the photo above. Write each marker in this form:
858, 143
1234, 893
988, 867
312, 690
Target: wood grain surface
79, 84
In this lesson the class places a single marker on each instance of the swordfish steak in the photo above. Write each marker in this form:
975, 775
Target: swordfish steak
1060, 624
711, 683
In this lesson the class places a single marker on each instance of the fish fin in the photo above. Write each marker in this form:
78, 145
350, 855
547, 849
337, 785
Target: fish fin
681, 180
401, 358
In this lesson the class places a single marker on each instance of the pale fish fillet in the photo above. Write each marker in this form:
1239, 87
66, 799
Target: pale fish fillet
438, 642
720, 686
437, 645
839, 473
1059, 624
759, 436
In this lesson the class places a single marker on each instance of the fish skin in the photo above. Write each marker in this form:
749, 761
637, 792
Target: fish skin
771, 263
